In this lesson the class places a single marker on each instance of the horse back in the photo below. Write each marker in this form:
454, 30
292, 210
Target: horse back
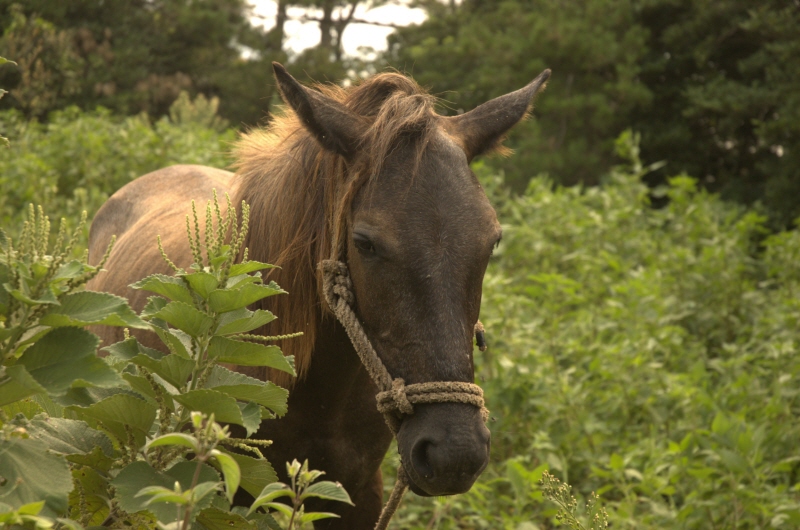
153, 205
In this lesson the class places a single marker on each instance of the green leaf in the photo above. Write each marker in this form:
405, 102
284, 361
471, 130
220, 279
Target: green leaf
223, 407
216, 519
176, 438
19, 385
176, 341
91, 492
243, 353
248, 267
65, 358
332, 491
202, 282
251, 417
186, 318
168, 286
270, 493
30, 474
68, 437
247, 388
120, 411
243, 320
89, 307
224, 300
316, 516
256, 473
139, 475
230, 471
173, 368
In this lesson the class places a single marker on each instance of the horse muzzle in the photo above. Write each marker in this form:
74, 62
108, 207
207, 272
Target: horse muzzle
444, 447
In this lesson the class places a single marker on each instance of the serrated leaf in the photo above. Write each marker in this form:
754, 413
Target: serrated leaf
68, 437
223, 407
251, 417
216, 519
89, 307
33, 474
243, 353
19, 385
139, 475
168, 286
91, 495
256, 473
176, 341
186, 318
243, 320
248, 267
120, 411
174, 369
270, 493
332, 491
65, 358
247, 388
224, 300
202, 282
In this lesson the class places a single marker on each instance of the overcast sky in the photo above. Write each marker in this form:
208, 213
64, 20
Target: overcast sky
304, 35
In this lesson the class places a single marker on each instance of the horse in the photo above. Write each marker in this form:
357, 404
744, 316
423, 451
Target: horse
373, 176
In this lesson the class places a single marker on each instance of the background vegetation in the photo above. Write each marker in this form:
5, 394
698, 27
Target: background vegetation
643, 320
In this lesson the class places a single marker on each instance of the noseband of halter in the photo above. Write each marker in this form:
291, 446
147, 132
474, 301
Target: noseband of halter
395, 398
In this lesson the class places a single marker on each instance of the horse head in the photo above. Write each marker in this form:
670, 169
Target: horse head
416, 230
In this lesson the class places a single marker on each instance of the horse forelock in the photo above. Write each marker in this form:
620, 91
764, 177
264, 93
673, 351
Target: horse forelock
300, 194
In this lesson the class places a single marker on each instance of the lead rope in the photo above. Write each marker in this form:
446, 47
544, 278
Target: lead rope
395, 399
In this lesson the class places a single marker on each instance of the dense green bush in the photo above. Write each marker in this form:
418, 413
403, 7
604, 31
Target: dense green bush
78, 159
649, 355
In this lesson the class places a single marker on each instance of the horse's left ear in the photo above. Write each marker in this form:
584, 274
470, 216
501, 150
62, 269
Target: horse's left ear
482, 129
332, 124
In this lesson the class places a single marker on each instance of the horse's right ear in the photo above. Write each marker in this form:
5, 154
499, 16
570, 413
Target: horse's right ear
331, 123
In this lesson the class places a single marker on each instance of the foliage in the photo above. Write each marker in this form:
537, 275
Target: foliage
131, 439
711, 86
648, 355
78, 159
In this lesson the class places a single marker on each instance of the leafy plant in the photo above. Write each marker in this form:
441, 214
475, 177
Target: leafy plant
132, 439
303, 487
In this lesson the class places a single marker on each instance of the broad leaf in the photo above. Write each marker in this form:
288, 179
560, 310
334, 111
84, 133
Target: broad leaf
66, 358
332, 491
119, 411
246, 388
224, 300
19, 385
68, 437
139, 475
270, 493
202, 282
30, 473
221, 405
243, 321
172, 368
168, 286
186, 318
243, 353
89, 307
248, 267
256, 473
216, 519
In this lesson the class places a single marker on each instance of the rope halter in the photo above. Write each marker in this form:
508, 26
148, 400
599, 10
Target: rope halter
395, 399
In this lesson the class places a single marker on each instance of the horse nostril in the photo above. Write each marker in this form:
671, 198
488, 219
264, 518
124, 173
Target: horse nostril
420, 458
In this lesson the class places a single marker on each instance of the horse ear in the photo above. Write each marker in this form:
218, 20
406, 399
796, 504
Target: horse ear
332, 124
482, 129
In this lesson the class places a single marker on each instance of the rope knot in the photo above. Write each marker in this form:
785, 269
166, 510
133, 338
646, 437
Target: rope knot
336, 283
395, 399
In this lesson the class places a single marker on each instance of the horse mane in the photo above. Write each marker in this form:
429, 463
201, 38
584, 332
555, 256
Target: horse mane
300, 195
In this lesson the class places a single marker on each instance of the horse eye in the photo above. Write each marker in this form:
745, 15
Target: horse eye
363, 244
